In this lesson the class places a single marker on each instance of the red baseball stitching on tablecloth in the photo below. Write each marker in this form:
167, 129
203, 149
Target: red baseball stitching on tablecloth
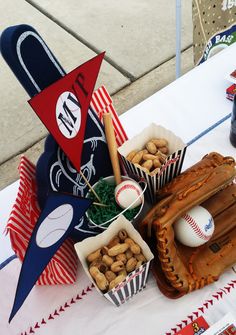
58, 311
195, 227
201, 310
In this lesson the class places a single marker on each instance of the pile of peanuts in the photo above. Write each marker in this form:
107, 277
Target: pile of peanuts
151, 158
110, 264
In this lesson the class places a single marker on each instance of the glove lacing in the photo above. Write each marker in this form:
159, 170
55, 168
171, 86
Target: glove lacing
194, 282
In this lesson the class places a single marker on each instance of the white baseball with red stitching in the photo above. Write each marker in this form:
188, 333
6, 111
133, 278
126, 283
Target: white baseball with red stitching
195, 227
127, 192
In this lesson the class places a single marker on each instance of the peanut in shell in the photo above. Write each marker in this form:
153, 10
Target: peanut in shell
164, 150
131, 264
116, 281
148, 157
137, 158
121, 257
107, 260
99, 278
151, 147
117, 266
110, 275
159, 142
122, 234
131, 155
94, 255
156, 163
119, 248
148, 164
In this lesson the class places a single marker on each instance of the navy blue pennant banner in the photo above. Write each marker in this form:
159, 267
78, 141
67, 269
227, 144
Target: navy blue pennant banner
59, 217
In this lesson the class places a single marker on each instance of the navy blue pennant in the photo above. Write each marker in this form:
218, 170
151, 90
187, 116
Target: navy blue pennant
59, 217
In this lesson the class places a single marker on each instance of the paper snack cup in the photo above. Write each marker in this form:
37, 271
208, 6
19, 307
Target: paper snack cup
171, 167
136, 280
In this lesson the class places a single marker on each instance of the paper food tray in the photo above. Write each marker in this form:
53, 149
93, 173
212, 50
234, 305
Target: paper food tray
169, 170
136, 280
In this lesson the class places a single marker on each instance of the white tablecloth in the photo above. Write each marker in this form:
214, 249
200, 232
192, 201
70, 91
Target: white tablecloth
195, 108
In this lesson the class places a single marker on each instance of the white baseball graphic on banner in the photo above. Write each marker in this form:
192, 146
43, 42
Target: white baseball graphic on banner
195, 227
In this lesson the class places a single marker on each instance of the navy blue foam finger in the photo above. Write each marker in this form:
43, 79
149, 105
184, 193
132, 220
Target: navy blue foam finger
29, 57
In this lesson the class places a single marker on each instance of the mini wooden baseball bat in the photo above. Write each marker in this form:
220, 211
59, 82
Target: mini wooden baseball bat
112, 146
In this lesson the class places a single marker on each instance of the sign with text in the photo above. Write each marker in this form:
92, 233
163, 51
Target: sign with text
63, 107
197, 327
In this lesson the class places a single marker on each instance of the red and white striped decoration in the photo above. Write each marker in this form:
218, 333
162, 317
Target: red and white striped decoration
25, 212
101, 103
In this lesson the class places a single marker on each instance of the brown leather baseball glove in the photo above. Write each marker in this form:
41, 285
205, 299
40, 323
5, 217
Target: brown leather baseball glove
179, 269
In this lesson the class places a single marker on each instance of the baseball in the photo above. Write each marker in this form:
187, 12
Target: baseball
195, 227
127, 192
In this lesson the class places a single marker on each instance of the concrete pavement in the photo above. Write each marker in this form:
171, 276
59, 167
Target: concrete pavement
137, 35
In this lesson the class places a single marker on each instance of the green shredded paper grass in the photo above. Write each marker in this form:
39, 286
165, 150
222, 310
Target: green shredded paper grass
99, 214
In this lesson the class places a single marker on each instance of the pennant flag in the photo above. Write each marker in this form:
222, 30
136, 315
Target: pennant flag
63, 107
59, 217
36, 67
24, 215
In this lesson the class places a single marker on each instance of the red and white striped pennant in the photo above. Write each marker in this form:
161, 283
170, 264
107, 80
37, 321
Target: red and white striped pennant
101, 103
25, 212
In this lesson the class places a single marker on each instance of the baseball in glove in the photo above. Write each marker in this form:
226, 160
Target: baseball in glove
180, 269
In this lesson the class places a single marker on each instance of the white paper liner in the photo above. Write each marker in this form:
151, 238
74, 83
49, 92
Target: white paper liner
169, 170
136, 280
